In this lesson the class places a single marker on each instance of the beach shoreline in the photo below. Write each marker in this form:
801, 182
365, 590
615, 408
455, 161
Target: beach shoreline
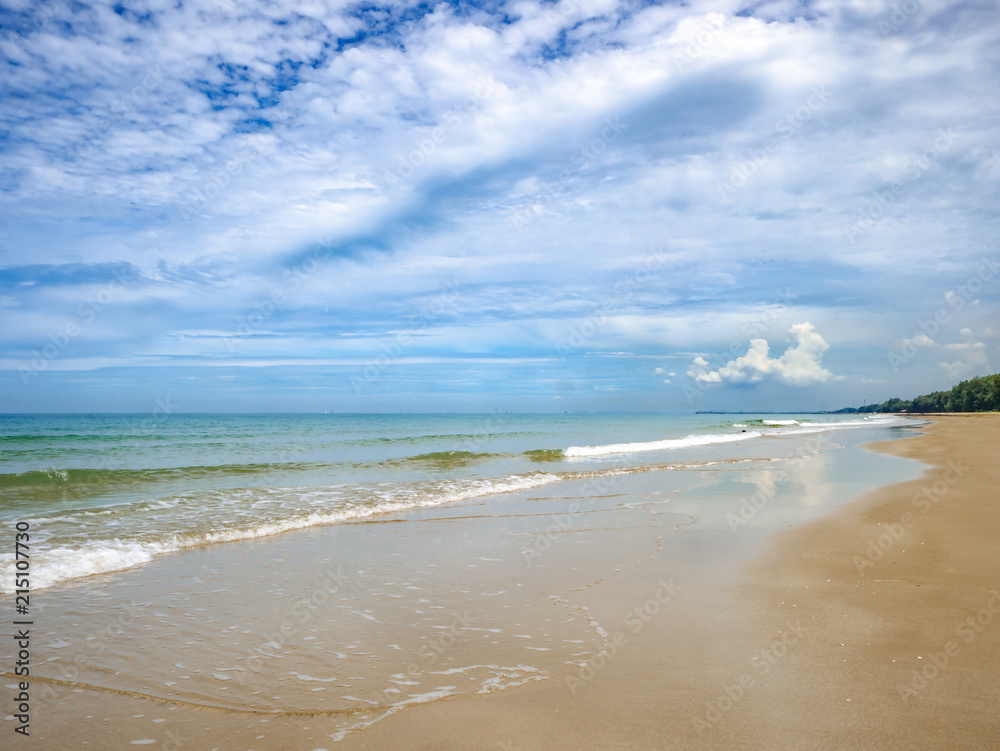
698, 635
901, 588
829, 653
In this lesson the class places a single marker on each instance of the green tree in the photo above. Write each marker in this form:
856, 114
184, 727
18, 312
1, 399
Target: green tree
977, 394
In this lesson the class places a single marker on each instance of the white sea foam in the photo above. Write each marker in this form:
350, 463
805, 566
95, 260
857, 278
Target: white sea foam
61, 564
879, 421
780, 422
76, 544
669, 443
104, 556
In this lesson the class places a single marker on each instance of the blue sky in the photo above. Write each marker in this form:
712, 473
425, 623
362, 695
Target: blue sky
579, 205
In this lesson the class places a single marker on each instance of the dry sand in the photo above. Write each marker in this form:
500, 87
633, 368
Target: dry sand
900, 591
903, 653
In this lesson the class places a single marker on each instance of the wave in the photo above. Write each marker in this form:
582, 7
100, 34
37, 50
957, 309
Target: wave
98, 557
240, 514
111, 538
448, 458
768, 423
545, 455
865, 422
72, 438
22, 437
52, 477
669, 443
467, 437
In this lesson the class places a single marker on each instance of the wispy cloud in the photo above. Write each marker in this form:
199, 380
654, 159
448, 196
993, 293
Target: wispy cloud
529, 154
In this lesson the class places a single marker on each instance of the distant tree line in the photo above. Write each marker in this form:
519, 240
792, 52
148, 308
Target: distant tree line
979, 394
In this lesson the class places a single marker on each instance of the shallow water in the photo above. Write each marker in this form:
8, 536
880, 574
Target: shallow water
105, 493
353, 621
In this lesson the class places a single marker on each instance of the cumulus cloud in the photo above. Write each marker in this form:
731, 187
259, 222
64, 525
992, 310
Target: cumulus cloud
528, 152
800, 365
972, 357
970, 353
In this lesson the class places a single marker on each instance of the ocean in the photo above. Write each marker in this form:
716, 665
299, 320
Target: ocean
105, 493
344, 568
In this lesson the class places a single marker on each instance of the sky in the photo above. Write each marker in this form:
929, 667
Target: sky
582, 205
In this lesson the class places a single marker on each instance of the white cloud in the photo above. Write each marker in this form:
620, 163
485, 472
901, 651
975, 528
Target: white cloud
800, 365
912, 344
410, 138
972, 357
971, 352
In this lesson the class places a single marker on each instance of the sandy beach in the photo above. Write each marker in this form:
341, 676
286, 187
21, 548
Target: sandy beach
900, 592
899, 654
654, 623
903, 653
500, 376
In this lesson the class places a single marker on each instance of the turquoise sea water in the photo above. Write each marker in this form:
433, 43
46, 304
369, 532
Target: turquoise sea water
104, 493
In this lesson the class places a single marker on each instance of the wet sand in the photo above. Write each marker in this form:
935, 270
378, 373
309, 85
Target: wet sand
814, 649
900, 592
652, 622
